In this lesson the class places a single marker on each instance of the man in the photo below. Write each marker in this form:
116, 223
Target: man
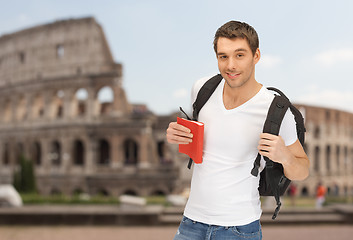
224, 201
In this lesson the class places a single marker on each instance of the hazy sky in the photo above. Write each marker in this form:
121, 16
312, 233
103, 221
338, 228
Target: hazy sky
164, 46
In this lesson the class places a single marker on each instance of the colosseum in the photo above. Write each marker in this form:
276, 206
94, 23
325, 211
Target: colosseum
52, 78
329, 146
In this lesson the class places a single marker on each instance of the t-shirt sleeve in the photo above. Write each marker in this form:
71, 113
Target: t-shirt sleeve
288, 129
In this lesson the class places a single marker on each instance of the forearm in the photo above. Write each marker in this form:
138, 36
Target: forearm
296, 168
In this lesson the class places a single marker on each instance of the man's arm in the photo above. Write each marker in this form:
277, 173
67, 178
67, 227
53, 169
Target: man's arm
293, 158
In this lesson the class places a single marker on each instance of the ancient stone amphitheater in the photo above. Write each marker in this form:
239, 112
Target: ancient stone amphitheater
51, 77
51, 80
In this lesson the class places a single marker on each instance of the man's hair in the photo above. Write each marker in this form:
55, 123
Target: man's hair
236, 29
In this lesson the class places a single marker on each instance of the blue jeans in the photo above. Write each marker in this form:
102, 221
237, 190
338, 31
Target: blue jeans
192, 230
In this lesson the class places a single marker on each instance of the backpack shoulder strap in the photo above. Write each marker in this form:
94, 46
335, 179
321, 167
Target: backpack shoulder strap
298, 117
204, 94
275, 115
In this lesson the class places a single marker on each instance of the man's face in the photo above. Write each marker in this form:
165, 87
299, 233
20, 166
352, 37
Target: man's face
236, 62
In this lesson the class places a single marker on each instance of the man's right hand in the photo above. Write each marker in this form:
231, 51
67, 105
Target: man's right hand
178, 134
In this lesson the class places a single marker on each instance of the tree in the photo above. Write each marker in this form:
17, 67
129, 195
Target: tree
24, 179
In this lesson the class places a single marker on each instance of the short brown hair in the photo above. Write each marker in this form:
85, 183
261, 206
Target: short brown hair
236, 29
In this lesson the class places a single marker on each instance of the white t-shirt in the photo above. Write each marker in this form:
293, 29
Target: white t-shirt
223, 191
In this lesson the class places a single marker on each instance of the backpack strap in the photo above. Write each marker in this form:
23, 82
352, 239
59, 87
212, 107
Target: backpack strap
203, 95
275, 115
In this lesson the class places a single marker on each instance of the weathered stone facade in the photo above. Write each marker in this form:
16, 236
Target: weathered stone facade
329, 146
50, 80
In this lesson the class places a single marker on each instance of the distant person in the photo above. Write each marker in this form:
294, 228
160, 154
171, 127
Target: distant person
320, 195
224, 201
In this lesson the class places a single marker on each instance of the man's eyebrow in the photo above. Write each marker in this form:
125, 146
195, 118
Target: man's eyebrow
236, 50
241, 50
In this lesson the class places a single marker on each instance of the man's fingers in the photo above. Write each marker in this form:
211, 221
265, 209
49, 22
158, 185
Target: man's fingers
178, 134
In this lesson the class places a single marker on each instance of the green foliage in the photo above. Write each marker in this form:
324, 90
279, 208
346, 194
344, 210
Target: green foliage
33, 198
24, 179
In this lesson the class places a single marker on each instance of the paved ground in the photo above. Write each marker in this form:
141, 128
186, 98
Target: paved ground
321, 232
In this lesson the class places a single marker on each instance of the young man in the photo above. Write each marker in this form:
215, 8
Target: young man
224, 201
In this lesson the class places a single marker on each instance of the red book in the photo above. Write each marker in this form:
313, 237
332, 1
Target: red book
195, 148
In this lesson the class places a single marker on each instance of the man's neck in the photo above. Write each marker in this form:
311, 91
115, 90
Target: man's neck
234, 97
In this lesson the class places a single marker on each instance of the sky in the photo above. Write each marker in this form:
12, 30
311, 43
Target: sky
165, 46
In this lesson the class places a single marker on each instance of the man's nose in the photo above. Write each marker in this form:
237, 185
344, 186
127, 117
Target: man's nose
232, 65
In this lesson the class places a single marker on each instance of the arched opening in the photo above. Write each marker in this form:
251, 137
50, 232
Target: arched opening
38, 107
317, 159
80, 102
57, 107
7, 111
317, 132
130, 192
304, 192
77, 192
19, 152
106, 98
55, 153
21, 109
103, 192
6, 157
36, 153
338, 155
79, 153
104, 152
328, 158
131, 152
161, 148
55, 192
159, 193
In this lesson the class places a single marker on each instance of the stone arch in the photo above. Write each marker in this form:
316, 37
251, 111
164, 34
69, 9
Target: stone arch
80, 103
19, 152
7, 111
162, 155
77, 191
328, 158
104, 152
103, 192
317, 132
338, 155
78, 153
317, 159
55, 153
131, 149
6, 155
130, 192
304, 192
36, 153
55, 191
38, 107
105, 97
158, 192
21, 109
57, 105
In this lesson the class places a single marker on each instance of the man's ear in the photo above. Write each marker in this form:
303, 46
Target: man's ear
257, 55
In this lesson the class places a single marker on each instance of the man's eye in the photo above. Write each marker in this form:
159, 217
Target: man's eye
223, 57
240, 55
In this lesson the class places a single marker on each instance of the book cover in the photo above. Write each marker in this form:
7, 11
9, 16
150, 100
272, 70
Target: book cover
194, 149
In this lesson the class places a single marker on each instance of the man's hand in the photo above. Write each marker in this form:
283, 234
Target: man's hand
273, 147
293, 158
178, 134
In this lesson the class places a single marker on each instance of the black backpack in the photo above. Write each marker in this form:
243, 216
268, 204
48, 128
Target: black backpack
273, 182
